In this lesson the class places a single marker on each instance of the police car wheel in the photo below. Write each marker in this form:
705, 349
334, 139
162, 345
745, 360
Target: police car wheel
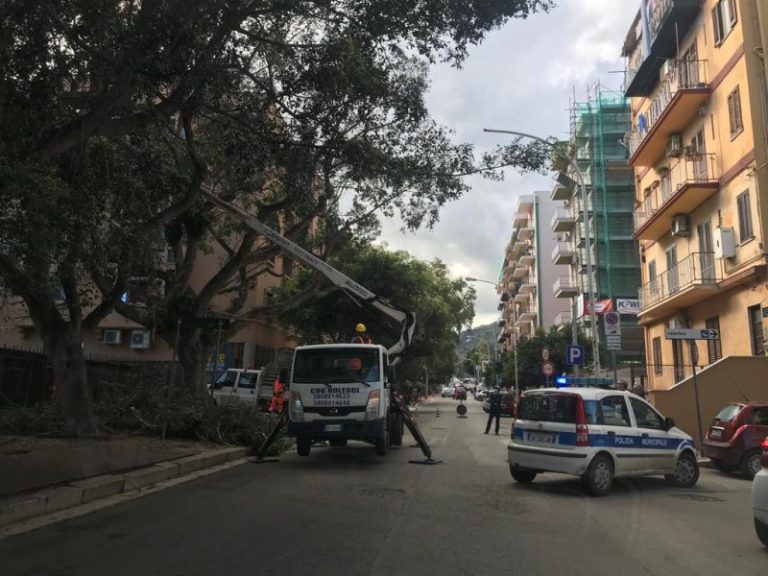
686, 472
303, 445
522, 476
762, 531
750, 464
598, 479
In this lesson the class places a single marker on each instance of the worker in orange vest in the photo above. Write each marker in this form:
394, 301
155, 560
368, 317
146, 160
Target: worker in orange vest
361, 335
278, 393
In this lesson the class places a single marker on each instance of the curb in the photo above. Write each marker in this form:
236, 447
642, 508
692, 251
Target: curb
48, 500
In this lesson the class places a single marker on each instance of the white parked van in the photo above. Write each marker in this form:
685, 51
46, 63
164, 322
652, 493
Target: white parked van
237, 384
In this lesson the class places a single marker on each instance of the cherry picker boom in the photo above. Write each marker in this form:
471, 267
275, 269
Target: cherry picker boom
393, 410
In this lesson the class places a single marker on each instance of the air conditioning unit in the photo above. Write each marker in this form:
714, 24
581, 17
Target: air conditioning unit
112, 336
680, 225
675, 146
725, 243
667, 68
140, 339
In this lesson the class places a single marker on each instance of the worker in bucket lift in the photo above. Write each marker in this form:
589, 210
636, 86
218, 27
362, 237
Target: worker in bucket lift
277, 403
361, 335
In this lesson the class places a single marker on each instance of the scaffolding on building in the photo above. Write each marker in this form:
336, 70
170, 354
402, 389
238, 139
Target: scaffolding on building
597, 129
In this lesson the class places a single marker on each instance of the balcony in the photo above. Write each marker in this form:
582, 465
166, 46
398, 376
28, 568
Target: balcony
518, 247
565, 287
678, 98
526, 230
525, 314
689, 182
522, 297
563, 220
520, 218
563, 253
528, 286
692, 280
527, 258
561, 193
563, 319
669, 22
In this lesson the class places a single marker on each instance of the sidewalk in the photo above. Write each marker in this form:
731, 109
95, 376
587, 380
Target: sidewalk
43, 475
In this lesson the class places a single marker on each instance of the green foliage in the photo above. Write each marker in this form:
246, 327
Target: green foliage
442, 307
41, 418
529, 356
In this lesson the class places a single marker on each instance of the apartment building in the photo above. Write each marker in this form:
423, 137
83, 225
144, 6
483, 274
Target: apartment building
120, 338
524, 305
598, 126
696, 76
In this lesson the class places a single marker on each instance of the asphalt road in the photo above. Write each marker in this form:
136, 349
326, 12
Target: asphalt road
344, 511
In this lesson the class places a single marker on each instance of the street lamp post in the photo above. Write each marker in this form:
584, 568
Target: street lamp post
587, 238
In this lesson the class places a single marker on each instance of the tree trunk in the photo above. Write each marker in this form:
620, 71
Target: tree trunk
65, 348
192, 356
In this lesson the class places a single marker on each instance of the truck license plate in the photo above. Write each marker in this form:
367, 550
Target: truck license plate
332, 428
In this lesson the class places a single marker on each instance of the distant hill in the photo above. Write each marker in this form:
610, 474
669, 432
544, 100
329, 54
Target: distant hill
469, 338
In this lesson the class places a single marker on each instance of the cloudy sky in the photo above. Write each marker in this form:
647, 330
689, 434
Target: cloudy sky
520, 78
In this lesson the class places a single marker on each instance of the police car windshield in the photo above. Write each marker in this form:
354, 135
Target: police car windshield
337, 365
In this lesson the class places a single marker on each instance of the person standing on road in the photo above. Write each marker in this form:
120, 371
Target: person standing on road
494, 410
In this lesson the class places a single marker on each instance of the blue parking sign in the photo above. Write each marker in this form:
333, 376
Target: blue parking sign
574, 355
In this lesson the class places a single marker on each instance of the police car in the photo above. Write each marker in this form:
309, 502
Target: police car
597, 434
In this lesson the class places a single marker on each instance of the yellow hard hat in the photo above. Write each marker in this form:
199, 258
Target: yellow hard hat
360, 328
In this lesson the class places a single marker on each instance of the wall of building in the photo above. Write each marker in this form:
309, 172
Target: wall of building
549, 272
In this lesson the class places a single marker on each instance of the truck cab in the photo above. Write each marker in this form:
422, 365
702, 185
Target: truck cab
341, 392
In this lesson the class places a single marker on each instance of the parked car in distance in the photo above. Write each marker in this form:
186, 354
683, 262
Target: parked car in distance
459, 393
733, 440
597, 434
507, 404
760, 497
481, 392
447, 392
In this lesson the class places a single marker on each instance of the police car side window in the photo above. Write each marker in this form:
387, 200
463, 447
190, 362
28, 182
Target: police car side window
646, 416
614, 410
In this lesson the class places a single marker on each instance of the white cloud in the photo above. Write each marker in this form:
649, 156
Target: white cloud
520, 78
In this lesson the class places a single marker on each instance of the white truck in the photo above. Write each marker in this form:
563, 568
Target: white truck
341, 392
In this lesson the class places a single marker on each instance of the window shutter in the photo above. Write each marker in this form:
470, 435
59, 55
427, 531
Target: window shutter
716, 27
731, 12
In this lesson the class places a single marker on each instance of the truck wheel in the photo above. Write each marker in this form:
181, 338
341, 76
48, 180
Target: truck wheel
303, 445
337, 442
395, 429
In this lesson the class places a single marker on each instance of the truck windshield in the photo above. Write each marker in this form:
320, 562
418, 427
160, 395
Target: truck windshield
338, 365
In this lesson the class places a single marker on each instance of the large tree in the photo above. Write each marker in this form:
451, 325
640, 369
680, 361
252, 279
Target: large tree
443, 306
115, 114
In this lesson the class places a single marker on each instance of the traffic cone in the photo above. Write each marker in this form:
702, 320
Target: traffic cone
437, 413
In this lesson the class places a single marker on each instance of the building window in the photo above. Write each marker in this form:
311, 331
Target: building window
723, 19
714, 348
734, 112
658, 367
745, 217
756, 329
677, 355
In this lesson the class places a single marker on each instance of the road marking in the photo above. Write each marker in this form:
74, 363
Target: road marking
83, 509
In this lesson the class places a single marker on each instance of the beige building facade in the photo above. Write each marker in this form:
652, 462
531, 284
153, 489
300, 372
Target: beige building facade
696, 75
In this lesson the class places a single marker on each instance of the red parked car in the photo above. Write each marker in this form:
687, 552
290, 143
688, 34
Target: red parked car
734, 438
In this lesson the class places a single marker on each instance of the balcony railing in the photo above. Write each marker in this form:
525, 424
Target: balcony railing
699, 268
562, 220
565, 287
562, 253
683, 76
563, 318
694, 172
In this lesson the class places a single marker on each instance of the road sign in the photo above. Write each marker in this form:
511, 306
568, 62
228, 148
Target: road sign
612, 323
545, 353
574, 355
547, 368
693, 334
613, 346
